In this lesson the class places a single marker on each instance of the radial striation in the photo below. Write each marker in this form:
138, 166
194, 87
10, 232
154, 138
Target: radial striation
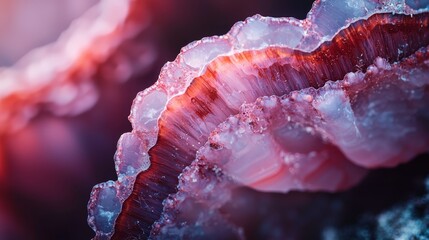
319, 136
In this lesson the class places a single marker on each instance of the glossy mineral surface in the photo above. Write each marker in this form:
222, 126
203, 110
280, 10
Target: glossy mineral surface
349, 91
211, 180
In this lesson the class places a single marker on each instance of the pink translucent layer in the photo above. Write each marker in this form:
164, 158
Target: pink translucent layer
306, 140
324, 20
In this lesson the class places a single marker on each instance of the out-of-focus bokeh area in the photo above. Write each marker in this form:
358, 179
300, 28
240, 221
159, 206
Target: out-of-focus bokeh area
69, 70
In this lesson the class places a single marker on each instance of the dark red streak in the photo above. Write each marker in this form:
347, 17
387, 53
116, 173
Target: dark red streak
393, 37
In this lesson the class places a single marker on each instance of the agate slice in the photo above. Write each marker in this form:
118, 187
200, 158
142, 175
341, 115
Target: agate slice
277, 104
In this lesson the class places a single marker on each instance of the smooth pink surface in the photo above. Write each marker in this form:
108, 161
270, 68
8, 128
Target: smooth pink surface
25, 25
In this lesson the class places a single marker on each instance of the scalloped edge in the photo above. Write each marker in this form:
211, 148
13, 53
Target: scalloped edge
173, 87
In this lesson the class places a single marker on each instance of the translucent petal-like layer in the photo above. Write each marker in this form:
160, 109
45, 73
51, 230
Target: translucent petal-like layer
296, 142
212, 78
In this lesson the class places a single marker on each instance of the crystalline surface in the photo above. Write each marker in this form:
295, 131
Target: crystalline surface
255, 148
288, 132
211, 79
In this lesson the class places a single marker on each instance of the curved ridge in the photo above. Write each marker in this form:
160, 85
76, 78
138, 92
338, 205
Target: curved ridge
222, 163
212, 97
175, 78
